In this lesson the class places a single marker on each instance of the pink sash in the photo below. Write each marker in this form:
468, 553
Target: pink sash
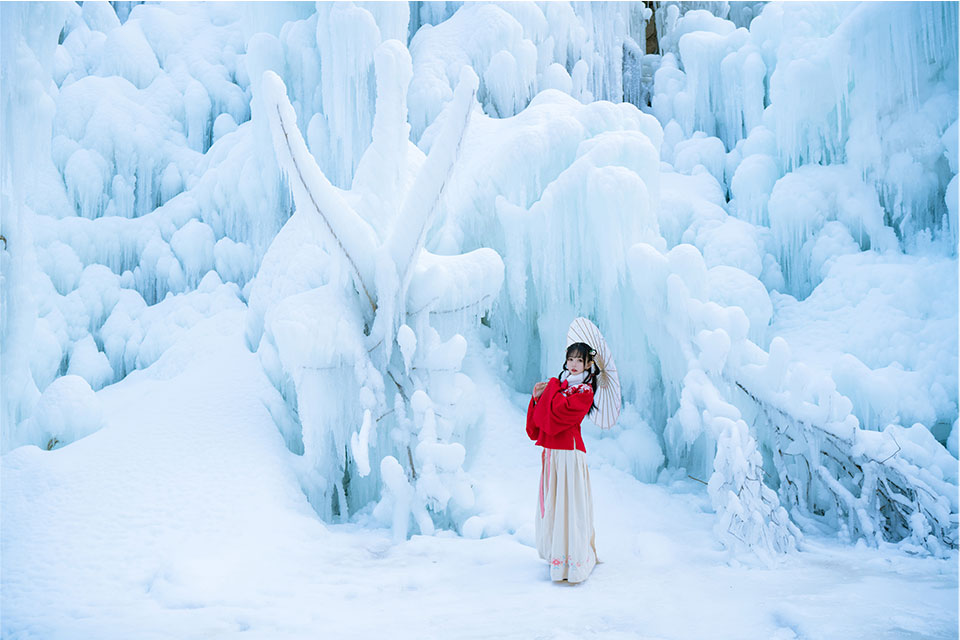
544, 475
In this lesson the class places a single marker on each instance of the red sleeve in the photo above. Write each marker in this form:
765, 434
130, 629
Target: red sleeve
555, 412
541, 413
533, 432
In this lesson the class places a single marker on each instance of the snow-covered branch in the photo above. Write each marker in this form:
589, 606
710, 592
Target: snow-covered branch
350, 234
410, 228
886, 499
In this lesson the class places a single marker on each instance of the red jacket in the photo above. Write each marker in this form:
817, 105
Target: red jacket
553, 420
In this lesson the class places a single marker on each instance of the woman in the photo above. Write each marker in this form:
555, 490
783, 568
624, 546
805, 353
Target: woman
564, 520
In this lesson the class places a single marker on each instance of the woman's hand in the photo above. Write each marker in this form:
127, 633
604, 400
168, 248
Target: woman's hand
538, 389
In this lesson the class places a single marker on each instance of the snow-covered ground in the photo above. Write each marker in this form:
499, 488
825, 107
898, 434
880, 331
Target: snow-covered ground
181, 518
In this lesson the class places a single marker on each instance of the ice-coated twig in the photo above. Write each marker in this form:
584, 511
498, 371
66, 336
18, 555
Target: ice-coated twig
894, 453
464, 307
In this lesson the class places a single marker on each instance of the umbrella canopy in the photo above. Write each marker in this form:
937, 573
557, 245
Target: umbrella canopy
608, 381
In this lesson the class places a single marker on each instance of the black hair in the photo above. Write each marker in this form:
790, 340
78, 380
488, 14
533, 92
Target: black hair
588, 354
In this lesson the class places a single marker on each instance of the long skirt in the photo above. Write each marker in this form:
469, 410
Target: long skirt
565, 535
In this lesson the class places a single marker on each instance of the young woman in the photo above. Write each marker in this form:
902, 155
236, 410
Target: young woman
565, 536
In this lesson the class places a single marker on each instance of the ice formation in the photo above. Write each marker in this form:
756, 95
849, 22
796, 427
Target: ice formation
761, 215
363, 357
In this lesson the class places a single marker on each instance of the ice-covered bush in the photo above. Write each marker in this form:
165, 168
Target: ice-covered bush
365, 374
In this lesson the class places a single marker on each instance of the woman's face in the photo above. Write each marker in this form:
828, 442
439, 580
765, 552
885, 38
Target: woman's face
575, 364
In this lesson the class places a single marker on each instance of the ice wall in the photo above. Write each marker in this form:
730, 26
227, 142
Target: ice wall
870, 85
146, 177
520, 49
27, 42
803, 132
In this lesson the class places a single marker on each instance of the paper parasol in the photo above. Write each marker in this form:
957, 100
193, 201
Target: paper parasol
607, 399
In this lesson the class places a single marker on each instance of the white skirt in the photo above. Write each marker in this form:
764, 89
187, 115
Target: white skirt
565, 535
